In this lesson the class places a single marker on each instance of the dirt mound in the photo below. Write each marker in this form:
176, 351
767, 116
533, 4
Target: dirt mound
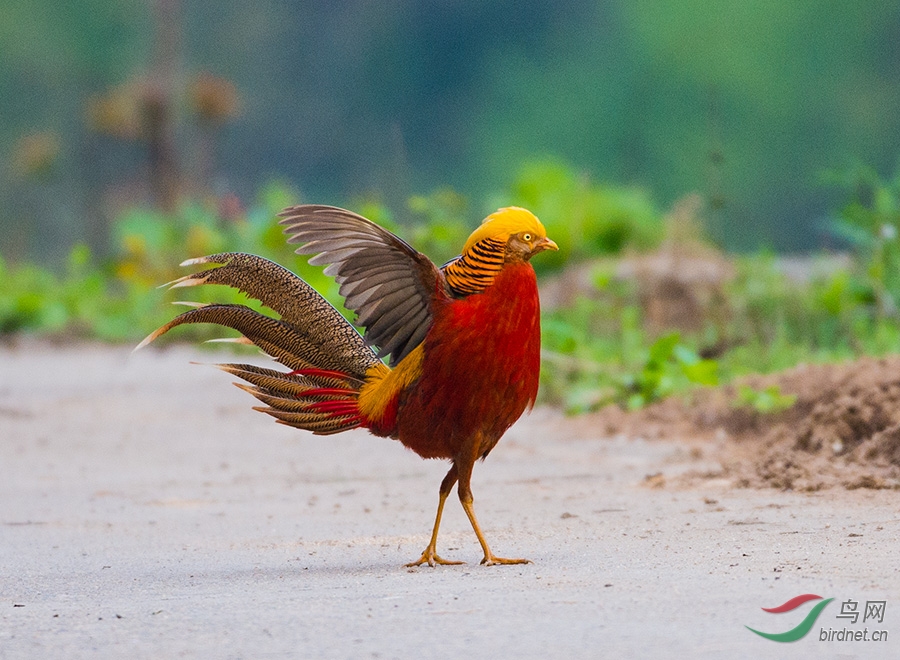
842, 430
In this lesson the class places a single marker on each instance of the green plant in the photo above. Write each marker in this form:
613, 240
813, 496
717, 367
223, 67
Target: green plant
596, 353
586, 218
441, 223
667, 360
767, 400
869, 221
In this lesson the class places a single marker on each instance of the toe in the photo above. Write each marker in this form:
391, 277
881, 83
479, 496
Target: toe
491, 560
431, 558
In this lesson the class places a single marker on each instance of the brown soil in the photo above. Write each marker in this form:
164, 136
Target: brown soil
842, 430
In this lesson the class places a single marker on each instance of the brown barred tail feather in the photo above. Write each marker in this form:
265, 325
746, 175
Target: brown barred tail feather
302, 399
327, 356
336, 344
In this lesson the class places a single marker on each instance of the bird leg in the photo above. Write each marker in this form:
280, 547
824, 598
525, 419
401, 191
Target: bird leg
430, 555
466, 499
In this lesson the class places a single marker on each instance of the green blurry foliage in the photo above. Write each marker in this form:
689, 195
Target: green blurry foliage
667, 362
120, 299
869, 221
779, 322
441, 223
81, 301
596, 353
765, 401
585, 218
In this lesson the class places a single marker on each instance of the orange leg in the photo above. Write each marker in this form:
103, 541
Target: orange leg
466, 499
430, 555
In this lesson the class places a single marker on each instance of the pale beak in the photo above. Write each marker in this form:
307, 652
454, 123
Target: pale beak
544, 244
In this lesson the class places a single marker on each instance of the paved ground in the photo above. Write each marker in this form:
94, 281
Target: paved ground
147, 512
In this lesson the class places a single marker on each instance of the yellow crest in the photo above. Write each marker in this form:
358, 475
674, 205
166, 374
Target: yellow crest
504, 223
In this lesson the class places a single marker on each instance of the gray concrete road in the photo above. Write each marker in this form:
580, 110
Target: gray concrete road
147, 512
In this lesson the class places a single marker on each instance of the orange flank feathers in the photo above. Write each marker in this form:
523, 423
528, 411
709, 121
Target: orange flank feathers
379, 396
461, 343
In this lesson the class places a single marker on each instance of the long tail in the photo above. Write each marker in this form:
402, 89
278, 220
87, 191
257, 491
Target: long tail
328, 359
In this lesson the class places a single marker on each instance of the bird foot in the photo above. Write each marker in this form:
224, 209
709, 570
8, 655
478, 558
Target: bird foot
431, 558
491, 560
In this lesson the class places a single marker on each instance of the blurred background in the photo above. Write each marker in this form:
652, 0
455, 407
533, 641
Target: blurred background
107, 103
135, 134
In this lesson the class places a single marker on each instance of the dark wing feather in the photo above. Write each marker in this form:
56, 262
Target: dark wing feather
382, 278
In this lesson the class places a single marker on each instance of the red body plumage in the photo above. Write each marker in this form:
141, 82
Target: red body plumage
479, 370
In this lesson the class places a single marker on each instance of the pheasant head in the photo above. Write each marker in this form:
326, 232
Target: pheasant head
510, 235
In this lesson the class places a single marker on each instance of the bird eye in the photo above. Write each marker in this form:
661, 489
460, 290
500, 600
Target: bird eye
526, 237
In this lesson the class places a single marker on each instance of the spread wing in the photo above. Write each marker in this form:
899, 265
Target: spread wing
382, 278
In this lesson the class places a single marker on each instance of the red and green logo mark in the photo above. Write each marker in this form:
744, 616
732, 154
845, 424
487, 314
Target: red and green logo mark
804, 627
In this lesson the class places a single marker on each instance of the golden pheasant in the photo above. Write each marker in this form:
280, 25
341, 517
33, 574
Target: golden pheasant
462, 341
